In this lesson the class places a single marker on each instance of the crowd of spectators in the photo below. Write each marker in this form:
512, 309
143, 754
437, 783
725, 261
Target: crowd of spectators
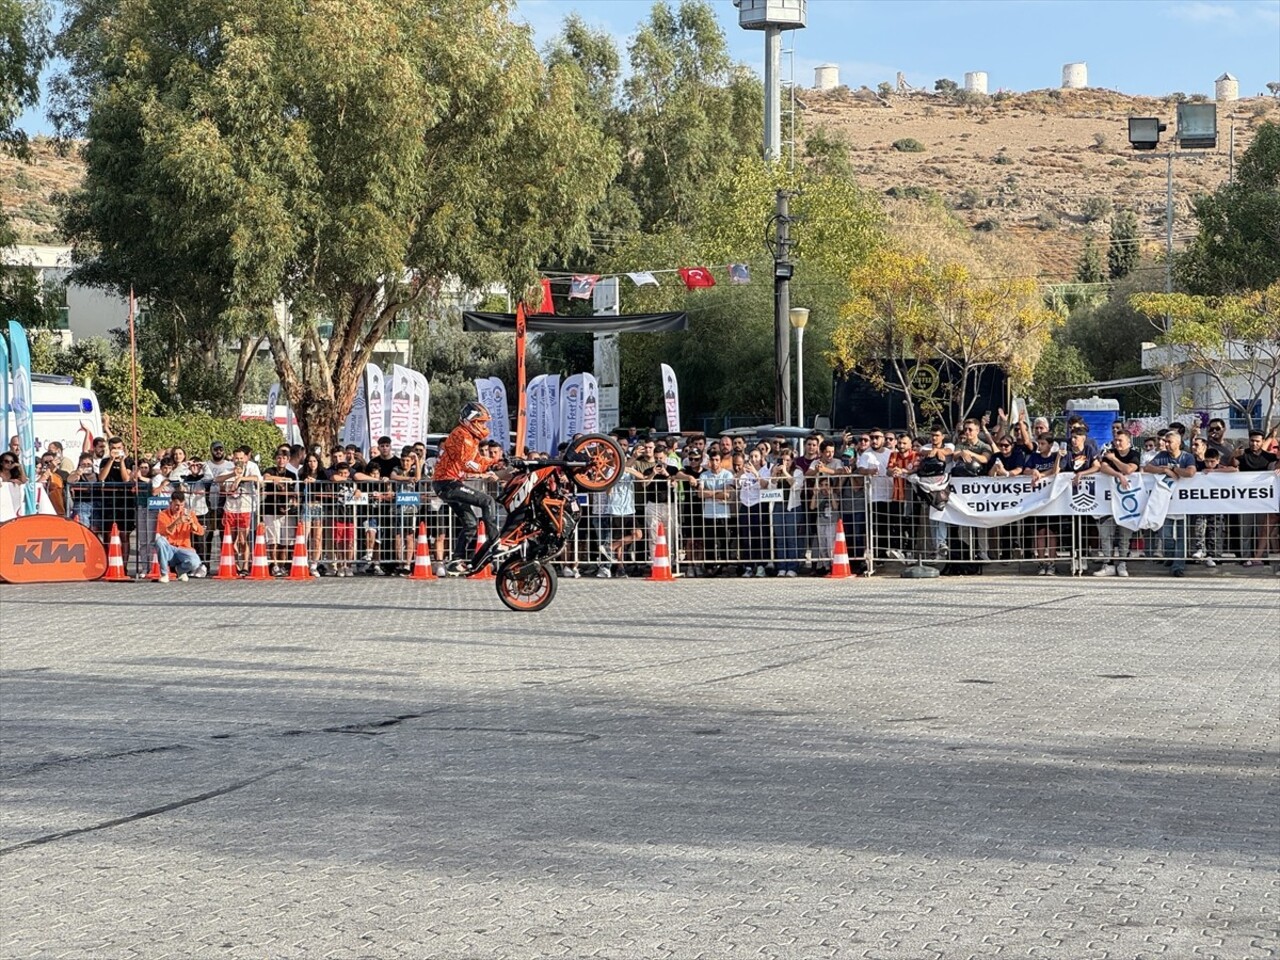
729, 506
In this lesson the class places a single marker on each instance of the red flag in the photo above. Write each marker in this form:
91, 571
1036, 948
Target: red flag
547, 305
695, 277
521, 412
581, 285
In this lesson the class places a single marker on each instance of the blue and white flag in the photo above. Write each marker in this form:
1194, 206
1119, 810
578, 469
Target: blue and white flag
533, 413
739, 273
572, 405
492, 392
4, 391
551, 401
20, 401
643, 278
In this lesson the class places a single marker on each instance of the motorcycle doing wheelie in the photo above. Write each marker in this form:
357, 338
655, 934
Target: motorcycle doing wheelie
542, 514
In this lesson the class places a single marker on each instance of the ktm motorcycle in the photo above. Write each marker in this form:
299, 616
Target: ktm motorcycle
542, 514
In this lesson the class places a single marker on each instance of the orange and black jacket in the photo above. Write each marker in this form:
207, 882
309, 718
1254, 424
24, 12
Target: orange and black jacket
460, 457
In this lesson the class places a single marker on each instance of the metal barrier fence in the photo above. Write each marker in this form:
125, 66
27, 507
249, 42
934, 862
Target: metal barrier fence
729, 527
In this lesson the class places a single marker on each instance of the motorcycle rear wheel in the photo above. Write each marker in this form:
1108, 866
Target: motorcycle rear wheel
526, 586
603, 464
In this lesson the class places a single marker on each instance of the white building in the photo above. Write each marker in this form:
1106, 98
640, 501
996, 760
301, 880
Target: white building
85, 311
1237, 384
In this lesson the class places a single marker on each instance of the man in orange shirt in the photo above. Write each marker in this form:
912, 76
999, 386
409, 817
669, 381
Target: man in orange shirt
174, 526
461, 460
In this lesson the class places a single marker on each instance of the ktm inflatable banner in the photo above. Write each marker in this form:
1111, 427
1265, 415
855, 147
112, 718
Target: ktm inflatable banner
46, 549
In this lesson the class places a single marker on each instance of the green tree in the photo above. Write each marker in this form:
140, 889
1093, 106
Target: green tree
725, 360
1123, 251
690, 113
1060, 364
326, 166
1089, 270
1237, 246
24, 48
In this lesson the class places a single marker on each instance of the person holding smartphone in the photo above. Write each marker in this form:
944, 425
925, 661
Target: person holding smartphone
175, 525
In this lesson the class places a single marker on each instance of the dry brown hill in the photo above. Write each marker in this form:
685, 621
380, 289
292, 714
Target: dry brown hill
1044, 166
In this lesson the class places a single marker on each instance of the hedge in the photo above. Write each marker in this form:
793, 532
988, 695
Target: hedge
195, 431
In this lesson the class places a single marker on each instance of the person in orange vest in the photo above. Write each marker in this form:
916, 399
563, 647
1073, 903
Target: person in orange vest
174, 526
460, 460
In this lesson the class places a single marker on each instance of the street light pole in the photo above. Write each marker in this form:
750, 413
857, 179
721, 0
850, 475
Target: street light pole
779, 246
799, 316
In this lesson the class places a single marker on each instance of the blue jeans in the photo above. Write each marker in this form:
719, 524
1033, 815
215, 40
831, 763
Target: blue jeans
1174, 536
787, 534
183, 559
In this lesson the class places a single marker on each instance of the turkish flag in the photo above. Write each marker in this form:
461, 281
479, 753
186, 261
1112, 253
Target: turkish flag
695, 277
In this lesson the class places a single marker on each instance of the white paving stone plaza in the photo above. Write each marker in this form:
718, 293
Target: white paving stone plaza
878, 768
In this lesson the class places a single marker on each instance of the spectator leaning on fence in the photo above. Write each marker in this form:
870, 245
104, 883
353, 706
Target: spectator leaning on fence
240, 503
1120, 462
1261, 526
1176, 464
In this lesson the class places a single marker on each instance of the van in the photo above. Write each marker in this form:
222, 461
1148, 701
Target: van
62, 411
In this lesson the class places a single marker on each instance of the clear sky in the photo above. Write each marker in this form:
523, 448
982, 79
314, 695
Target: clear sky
1136, 46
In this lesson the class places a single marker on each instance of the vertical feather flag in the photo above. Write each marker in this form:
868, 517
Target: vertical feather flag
590, 403
671, 398
20, 402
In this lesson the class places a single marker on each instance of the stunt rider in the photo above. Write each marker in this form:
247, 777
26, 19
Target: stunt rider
460, 460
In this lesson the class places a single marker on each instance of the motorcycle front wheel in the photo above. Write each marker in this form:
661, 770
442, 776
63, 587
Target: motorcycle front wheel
595, 462
526, 586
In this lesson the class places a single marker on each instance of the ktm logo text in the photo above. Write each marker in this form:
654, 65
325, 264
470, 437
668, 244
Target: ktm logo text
51, 550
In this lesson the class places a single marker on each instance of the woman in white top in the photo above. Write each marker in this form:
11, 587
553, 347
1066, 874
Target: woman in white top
752, 479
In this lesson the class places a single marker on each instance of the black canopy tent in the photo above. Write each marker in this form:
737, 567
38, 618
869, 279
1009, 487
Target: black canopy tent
474, 321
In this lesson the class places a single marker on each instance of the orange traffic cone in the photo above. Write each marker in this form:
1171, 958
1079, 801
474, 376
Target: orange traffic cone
840, 569
154, 572
487, 572
300, 570
115, 558
227, 563
261, 568
661, 569
422, 561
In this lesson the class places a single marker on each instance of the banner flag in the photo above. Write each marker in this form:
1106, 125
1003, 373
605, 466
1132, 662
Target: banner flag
501, 427
671, 398
590, 403
21, 404
581, 285
551, 415
273, 398
4, 394
987, 504
375, 397
695, 277
418, 389
642, 277
355, 429
572, 405
533, 414
739, 273
1145, 504
402, 426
